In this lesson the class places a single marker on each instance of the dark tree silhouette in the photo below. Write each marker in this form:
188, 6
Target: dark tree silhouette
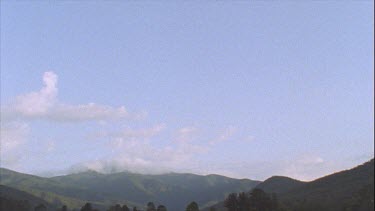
151, 206
161, 208
193, 206
14, 205
259, 200
40, 207
256, 200
231, 202
87, 207
64, 208
212, 209
243, 202
135, 209
125, 208
117, 207
274, 202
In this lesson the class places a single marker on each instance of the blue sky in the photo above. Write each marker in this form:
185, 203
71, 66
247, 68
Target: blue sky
244, 89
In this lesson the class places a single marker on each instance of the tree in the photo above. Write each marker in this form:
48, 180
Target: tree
64, 208
56, 201
40, 207
161, 208
242, 202
231, 202
193, 206
87, 207
13, 205
117, 207
125, 208
260, 201
135, 209
151, 206
212, 209
274, 202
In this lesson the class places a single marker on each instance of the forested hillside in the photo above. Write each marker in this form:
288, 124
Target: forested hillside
349, 190
102, 190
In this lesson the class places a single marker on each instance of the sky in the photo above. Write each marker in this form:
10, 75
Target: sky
243, 89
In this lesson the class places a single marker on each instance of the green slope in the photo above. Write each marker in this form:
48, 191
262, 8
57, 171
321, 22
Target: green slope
51, 191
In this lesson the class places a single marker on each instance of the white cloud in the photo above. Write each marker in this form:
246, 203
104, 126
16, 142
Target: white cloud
38, 103
140, 157
45, 105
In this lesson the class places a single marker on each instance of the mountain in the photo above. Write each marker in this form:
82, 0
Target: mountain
349, 190
173, 190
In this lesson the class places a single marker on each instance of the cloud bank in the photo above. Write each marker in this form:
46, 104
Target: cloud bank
135, 150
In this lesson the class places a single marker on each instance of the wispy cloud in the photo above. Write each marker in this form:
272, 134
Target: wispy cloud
186, 134
135, 150
13, 137
224, 135
128, 133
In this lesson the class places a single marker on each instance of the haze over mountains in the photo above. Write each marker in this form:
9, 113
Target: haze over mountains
346, 189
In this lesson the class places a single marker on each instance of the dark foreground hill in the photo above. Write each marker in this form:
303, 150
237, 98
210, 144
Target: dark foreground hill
349, 190
15, 200
173, 190
279, 184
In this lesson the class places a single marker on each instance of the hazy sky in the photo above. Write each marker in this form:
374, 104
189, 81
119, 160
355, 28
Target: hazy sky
243, 89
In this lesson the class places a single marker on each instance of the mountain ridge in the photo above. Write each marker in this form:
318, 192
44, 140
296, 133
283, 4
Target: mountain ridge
174, 190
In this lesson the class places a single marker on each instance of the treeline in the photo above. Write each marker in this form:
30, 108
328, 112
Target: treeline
150, 207
88, 207
14, 205
7, 204
193, 206
256, 200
